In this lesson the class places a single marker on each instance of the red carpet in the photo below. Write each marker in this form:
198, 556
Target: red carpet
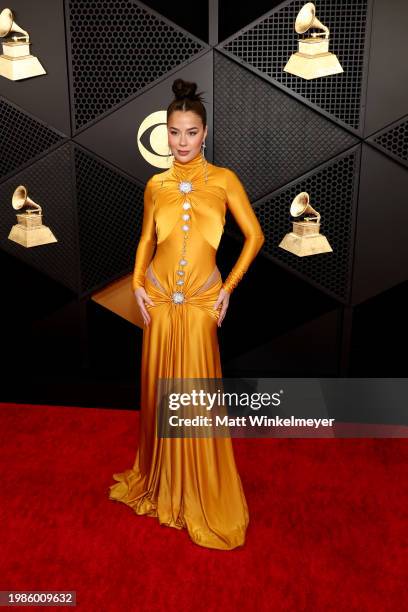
328, 522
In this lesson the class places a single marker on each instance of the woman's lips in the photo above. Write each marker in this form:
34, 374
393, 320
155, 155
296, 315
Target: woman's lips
183, 152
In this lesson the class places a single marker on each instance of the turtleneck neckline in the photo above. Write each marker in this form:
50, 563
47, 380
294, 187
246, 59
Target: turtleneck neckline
192, 164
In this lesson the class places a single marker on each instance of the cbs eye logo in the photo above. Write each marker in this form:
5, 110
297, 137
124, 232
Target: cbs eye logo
152, 140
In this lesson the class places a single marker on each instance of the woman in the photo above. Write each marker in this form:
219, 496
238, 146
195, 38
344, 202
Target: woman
190, 483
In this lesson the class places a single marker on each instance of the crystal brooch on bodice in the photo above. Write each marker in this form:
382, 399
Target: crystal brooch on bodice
178, 297
185, 186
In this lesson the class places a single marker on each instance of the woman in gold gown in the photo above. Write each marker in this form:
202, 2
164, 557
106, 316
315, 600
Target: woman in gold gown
190, 483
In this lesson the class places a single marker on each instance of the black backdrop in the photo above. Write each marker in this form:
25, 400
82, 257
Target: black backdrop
70, 136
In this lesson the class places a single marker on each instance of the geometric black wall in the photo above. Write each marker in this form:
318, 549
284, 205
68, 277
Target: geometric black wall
23, 138
267, 44
114, 137
381, 248
333, 190
117, 48
111, 63
393, 140
267, 134
50, 184
110, 214
272, 141
387, 79
45, 98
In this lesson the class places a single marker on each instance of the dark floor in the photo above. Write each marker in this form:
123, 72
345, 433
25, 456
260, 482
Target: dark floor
46, 358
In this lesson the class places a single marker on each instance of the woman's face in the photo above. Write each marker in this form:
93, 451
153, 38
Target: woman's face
185, 133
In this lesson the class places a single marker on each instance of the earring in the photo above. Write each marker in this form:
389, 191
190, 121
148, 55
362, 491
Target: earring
205, 163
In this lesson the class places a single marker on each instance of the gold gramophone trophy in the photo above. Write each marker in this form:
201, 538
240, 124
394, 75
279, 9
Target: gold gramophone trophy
29, 231
16, 63
313, 59
305, 239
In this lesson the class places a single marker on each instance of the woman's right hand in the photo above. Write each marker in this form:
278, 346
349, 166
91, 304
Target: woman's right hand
142, 297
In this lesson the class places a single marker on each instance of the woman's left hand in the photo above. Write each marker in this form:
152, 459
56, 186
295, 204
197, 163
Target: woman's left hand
223, 300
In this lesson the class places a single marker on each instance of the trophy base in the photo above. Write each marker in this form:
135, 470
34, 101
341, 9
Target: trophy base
301, 246
31, 237
313, 66
17, 68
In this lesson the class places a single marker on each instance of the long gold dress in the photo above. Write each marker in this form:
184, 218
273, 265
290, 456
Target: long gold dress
190, 483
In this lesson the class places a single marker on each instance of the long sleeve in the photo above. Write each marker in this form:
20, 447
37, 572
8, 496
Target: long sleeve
243, 213
148, 239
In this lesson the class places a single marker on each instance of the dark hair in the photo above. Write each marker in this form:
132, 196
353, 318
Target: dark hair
186, 99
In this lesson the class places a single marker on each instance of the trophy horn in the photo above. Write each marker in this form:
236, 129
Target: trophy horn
20, 199
307, 19
300, 205
7, 24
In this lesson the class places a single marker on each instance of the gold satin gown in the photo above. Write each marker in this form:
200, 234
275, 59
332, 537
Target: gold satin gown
190, 483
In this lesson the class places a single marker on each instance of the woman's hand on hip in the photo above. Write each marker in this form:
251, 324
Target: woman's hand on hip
223, 301
142, 297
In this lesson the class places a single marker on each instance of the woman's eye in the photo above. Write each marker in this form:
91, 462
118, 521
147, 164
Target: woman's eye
190, 133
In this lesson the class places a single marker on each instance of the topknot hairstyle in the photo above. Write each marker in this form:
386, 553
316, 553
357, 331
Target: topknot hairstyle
186, 98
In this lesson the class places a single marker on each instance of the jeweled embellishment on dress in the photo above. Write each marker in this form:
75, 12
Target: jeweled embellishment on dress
185, 186
178, 297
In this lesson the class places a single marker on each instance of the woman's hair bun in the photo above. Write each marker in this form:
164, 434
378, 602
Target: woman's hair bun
187, 99
184, 89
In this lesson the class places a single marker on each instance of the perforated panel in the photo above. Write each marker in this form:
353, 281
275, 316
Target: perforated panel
269, 136
22, 138
394, 140
117, 48
268, 45
332, 192
265, 134
110, 211
49, 183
